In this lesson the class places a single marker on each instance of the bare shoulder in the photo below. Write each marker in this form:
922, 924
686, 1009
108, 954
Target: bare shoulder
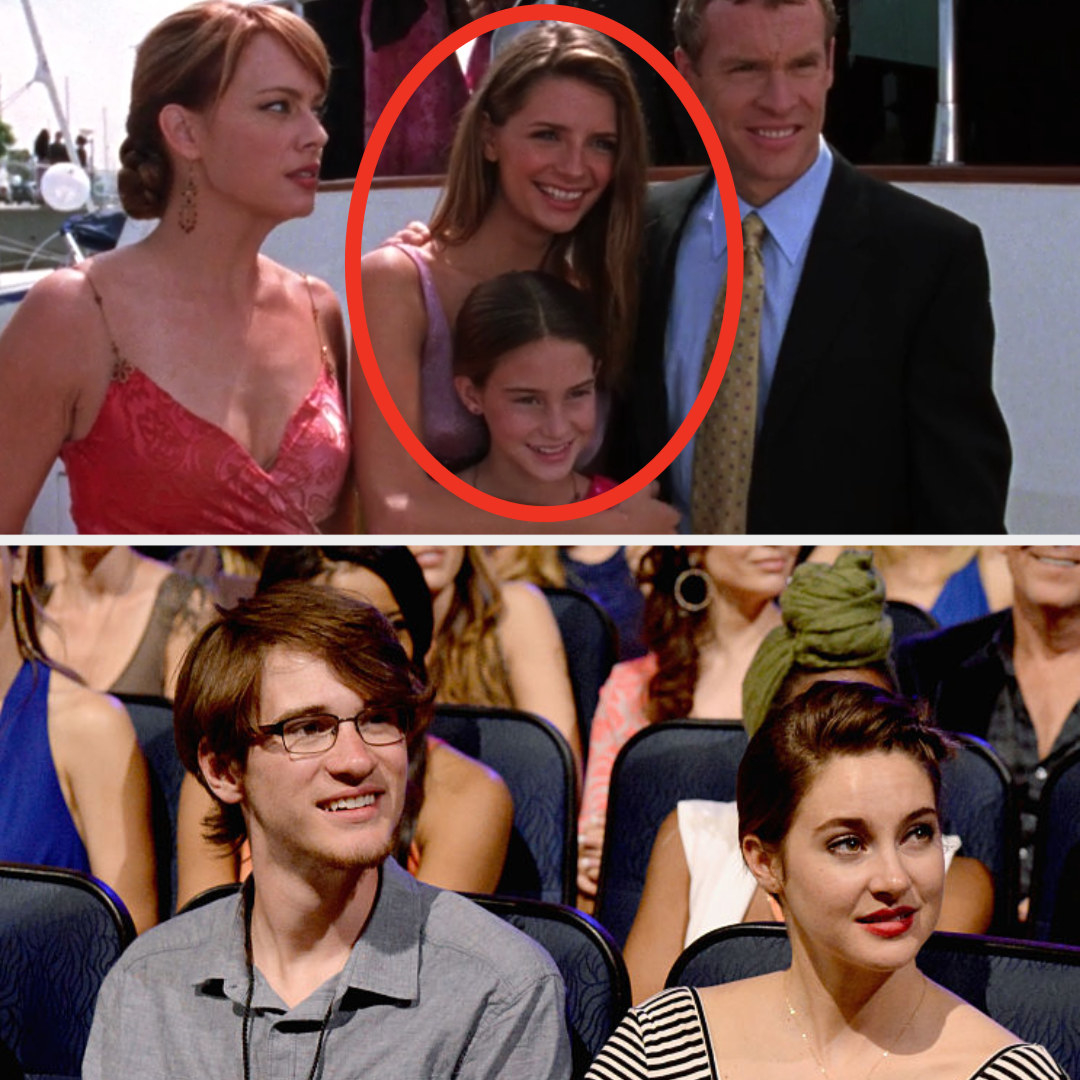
390, 262
459, 775
325, 299
78, 713
734, 1009
391, 286
967, 1035
522, 600
60, 307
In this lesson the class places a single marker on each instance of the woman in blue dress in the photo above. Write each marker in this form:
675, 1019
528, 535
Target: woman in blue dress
76, 791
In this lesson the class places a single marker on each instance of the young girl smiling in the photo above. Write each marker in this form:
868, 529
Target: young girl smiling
526, 355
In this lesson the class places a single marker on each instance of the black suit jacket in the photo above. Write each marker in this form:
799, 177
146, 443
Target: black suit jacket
957, 671
881, 417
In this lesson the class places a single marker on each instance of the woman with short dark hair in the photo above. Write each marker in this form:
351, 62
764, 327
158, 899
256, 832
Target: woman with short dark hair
838, 822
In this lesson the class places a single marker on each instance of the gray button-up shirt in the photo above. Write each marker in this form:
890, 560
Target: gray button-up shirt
434, 988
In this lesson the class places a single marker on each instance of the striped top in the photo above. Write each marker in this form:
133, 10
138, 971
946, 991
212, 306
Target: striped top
665, 1039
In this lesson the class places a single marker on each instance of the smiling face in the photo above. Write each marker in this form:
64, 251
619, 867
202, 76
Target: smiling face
860, 872
539, 404
555, 155
338, 810
1046, 576
762, 77
261, 143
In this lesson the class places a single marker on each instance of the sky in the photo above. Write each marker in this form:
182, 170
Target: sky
95, 53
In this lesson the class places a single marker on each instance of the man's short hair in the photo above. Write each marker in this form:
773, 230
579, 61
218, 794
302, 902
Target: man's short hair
218, 688
690, 18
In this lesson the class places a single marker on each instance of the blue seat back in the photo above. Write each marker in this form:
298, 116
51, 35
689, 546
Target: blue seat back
1031, 989
597, 985
535, 761
591, 644
153, 720
60, 932
677, 759
1055, 887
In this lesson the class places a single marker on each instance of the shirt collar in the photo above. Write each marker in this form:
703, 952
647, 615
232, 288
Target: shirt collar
789, 217
384, 962
1001, 646
386, 959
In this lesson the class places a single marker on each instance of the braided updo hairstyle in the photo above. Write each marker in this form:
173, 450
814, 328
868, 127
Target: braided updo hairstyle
189, 59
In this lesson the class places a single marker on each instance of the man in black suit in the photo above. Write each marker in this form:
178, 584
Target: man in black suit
876, 411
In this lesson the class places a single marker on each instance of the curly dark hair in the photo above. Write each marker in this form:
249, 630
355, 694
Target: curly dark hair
672, 633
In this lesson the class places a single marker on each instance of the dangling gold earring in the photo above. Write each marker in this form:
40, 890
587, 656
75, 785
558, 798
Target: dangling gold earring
188, 217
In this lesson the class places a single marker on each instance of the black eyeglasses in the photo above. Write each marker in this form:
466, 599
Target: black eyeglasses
317, 732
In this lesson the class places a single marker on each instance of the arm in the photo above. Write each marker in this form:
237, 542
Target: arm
103, 772
464, 826
656, 938
396, 495
44, 376
200, 865
958, 444
532, 647
968, 903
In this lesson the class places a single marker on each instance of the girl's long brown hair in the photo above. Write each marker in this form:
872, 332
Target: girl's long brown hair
600, 256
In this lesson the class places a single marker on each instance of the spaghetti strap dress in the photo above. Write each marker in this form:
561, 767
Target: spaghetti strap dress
149, 465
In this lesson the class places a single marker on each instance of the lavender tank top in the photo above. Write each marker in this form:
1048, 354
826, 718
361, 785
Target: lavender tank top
450, 431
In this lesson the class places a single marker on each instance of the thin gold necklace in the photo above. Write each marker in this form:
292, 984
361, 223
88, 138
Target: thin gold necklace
809, 1043
575, 493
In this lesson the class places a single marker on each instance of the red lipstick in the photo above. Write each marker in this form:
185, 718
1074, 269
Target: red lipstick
889, 922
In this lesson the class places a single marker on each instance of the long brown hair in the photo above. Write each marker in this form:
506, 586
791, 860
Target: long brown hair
601, 254
672, 633
467, 666
27, 610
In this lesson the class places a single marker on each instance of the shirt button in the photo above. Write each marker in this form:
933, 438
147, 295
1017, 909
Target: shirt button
1040, 773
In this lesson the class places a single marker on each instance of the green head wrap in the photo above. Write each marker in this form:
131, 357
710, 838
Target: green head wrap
834, 617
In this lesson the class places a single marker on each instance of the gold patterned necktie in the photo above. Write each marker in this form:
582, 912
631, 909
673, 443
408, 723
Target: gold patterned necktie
724, 442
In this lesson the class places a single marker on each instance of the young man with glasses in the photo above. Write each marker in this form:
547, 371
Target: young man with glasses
298, 709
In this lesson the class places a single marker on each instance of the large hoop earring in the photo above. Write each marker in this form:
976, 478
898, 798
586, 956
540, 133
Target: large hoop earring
188, 217
693, 590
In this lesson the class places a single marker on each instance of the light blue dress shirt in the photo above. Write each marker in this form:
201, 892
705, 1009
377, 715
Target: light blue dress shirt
700, 268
